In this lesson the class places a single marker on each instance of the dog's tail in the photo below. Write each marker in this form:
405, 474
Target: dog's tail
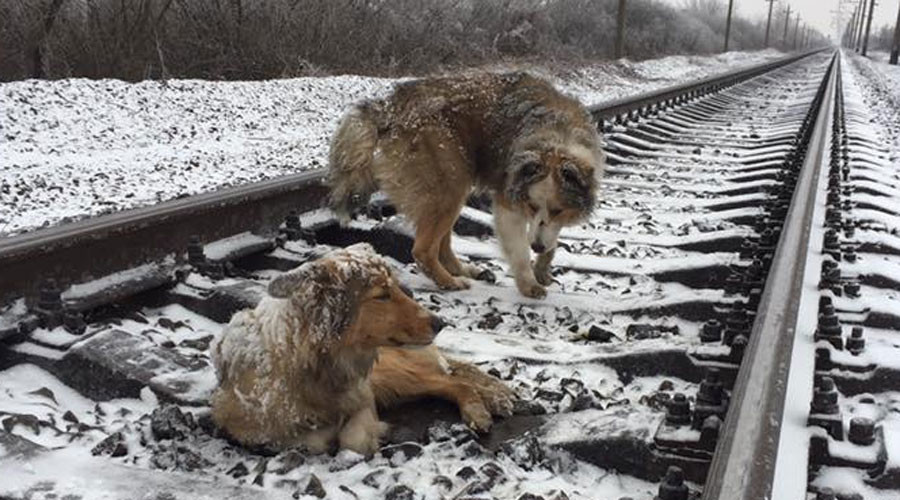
350, 173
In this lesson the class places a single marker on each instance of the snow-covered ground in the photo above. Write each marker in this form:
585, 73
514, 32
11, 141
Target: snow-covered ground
872, 111
76, 148
890, 73
879, 88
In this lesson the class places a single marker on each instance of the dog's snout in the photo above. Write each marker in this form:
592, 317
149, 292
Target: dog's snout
538, 247
437, 324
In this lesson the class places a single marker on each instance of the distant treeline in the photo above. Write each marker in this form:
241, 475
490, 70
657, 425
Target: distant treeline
258, 39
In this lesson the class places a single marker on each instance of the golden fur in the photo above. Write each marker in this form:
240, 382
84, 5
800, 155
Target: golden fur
434, 140
307, 366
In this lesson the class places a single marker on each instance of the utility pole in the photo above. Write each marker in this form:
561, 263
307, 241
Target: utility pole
769, 21
620, 30
728, 24
859, 28
895, 47
868, 27
796, 30
787, 21
848, 32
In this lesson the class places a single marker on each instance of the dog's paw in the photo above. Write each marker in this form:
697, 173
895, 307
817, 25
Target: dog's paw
498, 398
382, 430
543, 275
534, 290
487, 276
478, 273
476, 416
366, 445
500, 402
454, 284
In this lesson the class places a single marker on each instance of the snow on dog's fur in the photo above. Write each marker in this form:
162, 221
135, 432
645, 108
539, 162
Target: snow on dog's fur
307, 366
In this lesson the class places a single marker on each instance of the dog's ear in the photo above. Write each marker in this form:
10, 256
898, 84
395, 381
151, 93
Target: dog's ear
284, 285
330, 304
324, 293
521, 178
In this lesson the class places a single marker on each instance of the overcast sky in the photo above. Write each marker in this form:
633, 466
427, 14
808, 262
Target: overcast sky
818, 13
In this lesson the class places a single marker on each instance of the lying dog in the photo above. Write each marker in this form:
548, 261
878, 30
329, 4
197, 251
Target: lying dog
309, 364
428, 144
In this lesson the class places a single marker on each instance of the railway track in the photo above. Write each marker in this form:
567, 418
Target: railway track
723, 326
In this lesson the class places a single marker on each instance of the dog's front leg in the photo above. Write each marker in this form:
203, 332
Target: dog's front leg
512, 230
542, 267
362, 431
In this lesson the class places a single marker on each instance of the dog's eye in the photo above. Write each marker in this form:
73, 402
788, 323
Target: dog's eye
383, 295
533, 207
570, 174
555, 211
529, 169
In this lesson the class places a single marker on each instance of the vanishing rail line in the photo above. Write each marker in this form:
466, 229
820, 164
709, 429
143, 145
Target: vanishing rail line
807, 412
722, 261
747, 456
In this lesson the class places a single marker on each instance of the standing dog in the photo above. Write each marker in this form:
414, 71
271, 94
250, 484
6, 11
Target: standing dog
308, 365
429, 143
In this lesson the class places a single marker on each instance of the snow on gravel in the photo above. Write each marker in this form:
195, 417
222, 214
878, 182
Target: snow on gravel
872, 111
889, 72
75, 148
605, 82
880, 86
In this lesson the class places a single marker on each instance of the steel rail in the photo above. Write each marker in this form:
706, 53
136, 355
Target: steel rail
646, 102
98, 246
95, 247
743, 466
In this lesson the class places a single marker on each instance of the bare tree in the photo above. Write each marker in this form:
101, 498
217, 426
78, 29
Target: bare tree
256, 39
37, 53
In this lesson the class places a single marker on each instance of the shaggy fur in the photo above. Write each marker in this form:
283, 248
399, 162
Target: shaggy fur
428, 144
307, 366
